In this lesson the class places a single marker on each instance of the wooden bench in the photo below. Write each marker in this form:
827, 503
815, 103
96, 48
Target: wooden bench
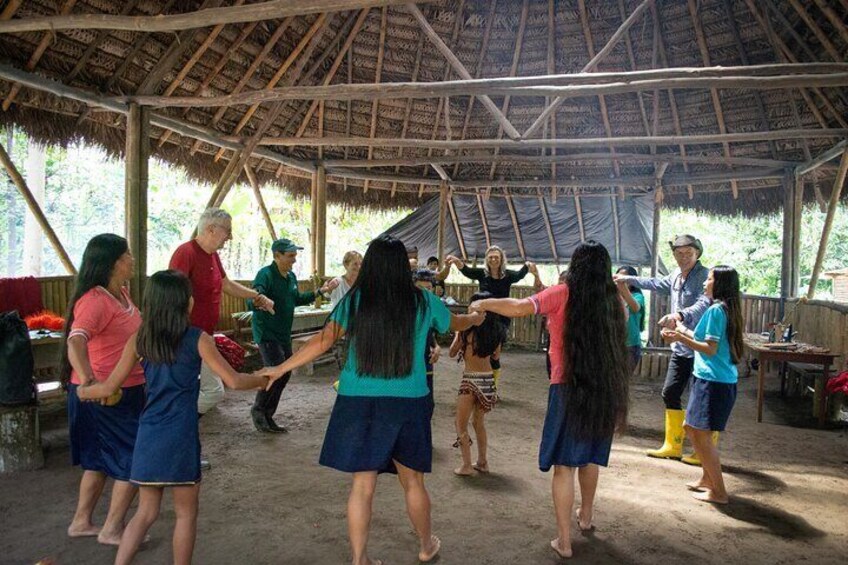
794, 380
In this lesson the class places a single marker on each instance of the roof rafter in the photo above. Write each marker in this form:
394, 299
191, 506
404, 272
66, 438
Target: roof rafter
381, 51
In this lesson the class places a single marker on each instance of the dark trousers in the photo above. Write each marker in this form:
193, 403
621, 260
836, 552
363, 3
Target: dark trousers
676, 379
273, 353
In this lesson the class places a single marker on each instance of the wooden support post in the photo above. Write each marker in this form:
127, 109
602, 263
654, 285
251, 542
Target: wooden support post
21, 185
655, 230
798, 206
786, 262
443, 210
135, 194
313, 225
257, 193
321, 220
835, 193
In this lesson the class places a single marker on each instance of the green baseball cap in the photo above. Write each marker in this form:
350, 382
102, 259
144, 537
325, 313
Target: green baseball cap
284, 245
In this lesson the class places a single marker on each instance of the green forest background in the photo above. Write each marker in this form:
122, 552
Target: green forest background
84, 197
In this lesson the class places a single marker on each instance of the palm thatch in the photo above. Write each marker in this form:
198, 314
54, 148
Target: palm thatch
497, 38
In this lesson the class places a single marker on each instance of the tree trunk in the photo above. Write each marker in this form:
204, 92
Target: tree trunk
36, 167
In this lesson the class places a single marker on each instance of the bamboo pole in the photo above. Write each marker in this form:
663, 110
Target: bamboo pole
513, 216
268, 10
440, 230
819, 160
321, 221
257, 193
565, 86
20, 183
787, 265
135, 194
313, 224
828, 222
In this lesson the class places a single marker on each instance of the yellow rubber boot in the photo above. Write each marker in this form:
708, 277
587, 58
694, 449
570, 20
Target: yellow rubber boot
672, 447
496, 373
693, 459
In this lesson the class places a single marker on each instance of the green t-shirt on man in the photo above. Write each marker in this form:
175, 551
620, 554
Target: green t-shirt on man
282, 289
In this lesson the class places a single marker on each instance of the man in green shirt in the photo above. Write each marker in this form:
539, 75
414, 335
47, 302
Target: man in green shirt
272, 332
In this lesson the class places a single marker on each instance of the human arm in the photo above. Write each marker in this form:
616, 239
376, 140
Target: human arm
662, 286
435, 350
232, 378
689, 316
516, 276
317, 345
509, 307
461, 322
260, 301
78, 358
97, 390
444, 272
682, 334
624, 292
456, 345
538, 285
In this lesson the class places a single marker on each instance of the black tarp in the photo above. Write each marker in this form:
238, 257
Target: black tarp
635, 218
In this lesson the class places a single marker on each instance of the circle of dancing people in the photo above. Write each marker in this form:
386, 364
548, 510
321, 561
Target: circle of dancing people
138, 381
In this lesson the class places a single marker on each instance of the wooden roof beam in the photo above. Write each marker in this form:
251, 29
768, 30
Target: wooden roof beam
455, 221
613, 41
822, 158
546, 218
257, 193
816, 29
459, 68
408, 110
834, 19
268, 10
381, 51
99, 38
514, 217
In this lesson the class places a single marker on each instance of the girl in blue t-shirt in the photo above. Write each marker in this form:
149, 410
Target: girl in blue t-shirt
717, 342
381, 418
635, 300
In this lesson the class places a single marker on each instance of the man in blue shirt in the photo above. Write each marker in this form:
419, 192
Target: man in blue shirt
685, 286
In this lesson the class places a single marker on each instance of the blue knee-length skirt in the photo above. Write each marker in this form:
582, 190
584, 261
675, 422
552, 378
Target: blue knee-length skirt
710, 404
559, 444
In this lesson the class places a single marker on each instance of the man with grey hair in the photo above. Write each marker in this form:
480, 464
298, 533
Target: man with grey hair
199, 260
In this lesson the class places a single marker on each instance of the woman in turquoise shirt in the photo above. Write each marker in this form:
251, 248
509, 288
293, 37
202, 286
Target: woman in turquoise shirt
381, 419
635, 300
717, 343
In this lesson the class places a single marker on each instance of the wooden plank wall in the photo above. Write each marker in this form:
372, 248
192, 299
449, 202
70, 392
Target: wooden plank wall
822, 323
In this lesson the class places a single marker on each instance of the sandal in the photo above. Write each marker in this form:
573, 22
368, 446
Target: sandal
458, 441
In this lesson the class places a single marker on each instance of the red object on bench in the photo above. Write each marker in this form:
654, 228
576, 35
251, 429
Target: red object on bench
22, 294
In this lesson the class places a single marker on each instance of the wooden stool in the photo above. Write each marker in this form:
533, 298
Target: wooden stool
20, 439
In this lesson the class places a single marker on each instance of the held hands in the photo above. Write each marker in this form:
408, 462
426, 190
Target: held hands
435, 353
619, 279
454, 260
669, 335
477, 318
669, 321
271, 373
262, 302
329, 286
532, 268
476, 306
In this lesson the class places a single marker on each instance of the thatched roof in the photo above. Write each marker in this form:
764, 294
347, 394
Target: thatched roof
520, 38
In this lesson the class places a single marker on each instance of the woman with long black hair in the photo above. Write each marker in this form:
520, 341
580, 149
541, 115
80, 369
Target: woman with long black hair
587, 399
101, 318
381, 419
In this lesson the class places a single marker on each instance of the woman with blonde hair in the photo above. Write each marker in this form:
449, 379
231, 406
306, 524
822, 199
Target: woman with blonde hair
351, 262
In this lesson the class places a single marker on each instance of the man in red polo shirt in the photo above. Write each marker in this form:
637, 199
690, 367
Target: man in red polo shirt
199, 260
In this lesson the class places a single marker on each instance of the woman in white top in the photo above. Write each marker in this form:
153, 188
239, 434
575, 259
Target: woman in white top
352, 261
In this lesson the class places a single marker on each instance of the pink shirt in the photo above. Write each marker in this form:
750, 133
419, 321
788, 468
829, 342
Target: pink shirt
207, 282
552, 302
106, 325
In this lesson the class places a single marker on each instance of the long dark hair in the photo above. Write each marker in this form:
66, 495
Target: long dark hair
165, 316
726, 293
632, 272
382, 310
488, 336
98, 261
594, 340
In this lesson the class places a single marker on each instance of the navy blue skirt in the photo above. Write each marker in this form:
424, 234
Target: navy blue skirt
710, 404
368, 433
560, 446
103, 437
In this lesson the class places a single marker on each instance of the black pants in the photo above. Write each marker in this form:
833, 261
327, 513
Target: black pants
273, 353
676, 379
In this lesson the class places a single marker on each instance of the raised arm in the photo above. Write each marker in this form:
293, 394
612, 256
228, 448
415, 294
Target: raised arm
516, 276
624, 292
443, 274
233, 379
662, 286
509, 307
105, 389
317, 345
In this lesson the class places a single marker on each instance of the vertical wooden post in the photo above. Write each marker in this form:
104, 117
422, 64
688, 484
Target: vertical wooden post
443, 210
654, 314
835, 193
798, 206
321, 220
786, 259
20, 183
135, 193
313, 224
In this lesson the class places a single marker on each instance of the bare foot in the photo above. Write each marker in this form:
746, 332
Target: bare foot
699, 485
584, 523
564, 551
429, 553
708, 496
481, 466
464, 471
83, 530
109, 538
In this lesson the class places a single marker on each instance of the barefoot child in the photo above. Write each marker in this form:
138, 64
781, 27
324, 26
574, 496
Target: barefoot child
167, 448
718, 346
477, 395
381, 418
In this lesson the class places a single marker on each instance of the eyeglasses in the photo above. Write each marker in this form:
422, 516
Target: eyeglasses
227, 229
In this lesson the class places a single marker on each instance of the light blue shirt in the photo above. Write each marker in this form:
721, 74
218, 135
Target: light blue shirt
719, 367
687, 297
414, 385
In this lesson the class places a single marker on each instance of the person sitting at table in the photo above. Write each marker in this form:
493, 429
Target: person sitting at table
351, 262
272, 331
101, 318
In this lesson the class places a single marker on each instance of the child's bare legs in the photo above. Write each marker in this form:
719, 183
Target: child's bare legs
464, 407
482, 464
562, 489
359, 514
185, 528
122, 496
149, 502
587, 476
704, 482
91, 487
711, 464
418, 508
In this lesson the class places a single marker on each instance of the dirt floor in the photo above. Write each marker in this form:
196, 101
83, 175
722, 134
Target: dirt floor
266, 500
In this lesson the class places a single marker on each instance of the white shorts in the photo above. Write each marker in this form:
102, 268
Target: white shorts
211, 390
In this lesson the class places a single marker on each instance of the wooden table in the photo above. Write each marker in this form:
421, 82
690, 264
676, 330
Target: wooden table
46, 349
306, 319
756, 344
